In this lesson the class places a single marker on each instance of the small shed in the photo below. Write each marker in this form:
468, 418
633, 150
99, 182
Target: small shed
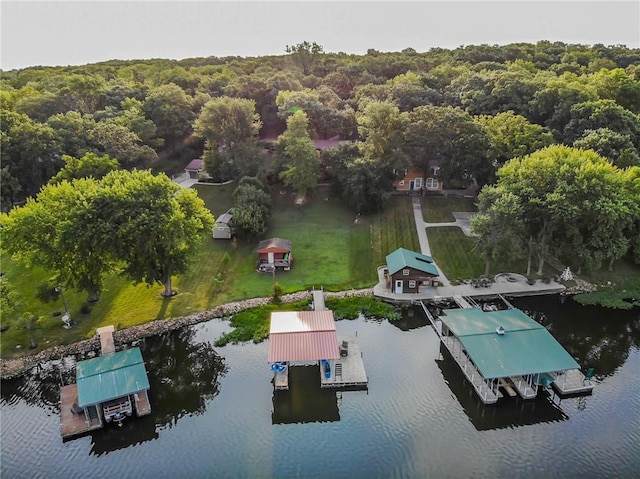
222, 229
274, 253
409, 270
194, 168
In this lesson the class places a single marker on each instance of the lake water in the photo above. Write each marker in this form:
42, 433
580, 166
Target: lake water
214, 412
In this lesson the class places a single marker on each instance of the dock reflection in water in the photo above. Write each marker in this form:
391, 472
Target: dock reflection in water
305, 401
508, 412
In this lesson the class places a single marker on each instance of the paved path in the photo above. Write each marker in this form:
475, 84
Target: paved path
463, 221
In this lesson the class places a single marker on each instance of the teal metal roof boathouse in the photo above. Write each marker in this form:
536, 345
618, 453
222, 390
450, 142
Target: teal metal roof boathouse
108, 388
507, 350
110, 377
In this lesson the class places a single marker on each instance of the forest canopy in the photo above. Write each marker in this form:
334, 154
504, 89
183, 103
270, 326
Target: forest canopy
144, 113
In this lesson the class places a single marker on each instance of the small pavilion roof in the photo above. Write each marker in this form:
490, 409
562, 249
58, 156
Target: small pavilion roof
274, 245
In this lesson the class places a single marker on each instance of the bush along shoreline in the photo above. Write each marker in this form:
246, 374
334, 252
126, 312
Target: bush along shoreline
14, 367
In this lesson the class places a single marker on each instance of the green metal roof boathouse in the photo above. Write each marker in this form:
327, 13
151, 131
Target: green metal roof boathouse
108, 388
506, 350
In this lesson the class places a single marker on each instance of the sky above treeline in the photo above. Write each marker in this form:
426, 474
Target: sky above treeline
79, 32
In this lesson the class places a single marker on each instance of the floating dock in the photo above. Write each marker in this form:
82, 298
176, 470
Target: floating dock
348, 371
72, 420
108, 389
572, 382
505, 350
281, 380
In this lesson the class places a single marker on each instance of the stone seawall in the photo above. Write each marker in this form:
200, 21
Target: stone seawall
10, 368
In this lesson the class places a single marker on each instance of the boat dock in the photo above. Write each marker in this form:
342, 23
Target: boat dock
572, 382
281, 379
490, 347
348, 371
107, 388
74, 421
485, 393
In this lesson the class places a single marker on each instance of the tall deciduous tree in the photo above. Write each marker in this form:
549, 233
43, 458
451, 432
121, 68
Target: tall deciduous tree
252, 207
614, 146
90, 165
513, 135
498, 225
60, 229
157, 225
118, 141
225, 122
362, 183
301, 167
81, 230
28, 150
380, 125
305, 54
574, 203
451, 137
170, 108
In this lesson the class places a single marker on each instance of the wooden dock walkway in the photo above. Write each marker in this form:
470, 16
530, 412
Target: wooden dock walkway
318, 300
504, 384
281, 380
347, 371
71, 423
462, 302
572, 382
143, 406
107, 346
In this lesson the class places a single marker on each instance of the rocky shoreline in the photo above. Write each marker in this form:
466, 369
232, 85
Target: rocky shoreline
11, 368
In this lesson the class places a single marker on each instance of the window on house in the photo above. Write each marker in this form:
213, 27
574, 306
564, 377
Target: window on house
405, 272
401, 183
417, 183
431, 183
412, 284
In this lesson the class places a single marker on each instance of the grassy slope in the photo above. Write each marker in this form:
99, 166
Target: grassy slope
329, 250
437, 209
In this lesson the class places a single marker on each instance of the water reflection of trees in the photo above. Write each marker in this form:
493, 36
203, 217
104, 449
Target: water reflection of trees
411, 318
597, 337
41, 386
183, 375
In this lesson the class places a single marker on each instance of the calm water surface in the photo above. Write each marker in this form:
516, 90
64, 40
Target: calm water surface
214, 412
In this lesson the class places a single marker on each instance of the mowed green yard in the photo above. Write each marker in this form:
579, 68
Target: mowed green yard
330, 250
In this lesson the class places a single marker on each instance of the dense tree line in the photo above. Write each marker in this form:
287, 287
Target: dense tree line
144, 113
473, 109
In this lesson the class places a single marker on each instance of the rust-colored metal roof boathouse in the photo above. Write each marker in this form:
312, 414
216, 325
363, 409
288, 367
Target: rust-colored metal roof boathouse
302, 336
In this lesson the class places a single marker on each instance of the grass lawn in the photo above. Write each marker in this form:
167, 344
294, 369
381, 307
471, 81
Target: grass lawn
329, 250
455, 254
437, 209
